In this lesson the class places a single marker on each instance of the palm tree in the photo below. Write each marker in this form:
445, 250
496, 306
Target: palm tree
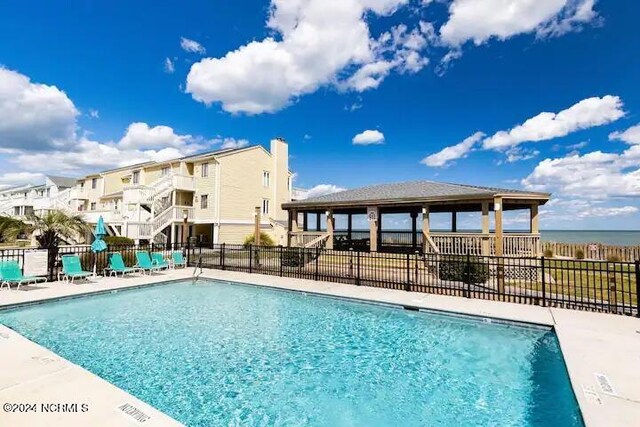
11, 228
49, 229
54, 225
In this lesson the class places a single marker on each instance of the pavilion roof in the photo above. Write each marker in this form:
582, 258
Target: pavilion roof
403, 193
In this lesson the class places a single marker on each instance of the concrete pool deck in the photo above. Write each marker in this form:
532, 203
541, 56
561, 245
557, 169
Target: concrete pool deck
602, 351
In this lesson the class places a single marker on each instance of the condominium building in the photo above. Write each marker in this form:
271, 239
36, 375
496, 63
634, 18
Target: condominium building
212, 196
22, 201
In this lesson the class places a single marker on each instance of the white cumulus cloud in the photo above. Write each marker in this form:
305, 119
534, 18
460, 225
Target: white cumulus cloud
481, 20
142, 136
10, 179
40, 132
34, 115
314, 43
630, 136
585, 114
448, 154
368, 137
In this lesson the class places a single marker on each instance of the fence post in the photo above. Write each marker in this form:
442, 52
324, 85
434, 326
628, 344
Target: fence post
415, 268
467, 276
280, 260
407, 286
358, 268
250, 258
316, 262
188, 252
637, 288
222, 256
544, 284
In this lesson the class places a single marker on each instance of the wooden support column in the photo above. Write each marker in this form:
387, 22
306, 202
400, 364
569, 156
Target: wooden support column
349, 227
454, 222
414, 231
305, 221
533, 219
289, 227
330, 227
425, 229
373, 216
293, 219
534, 227
318, 225
486, 242
497, 210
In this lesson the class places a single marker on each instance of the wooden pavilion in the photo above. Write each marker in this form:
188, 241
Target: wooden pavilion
419, 199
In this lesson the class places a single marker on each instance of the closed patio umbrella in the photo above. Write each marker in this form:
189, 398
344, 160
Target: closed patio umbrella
98, 245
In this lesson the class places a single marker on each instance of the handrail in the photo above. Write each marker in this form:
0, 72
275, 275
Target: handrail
317, 241
432, 244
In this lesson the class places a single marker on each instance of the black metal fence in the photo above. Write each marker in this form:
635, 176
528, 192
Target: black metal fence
577, 284
89, 259
604, 286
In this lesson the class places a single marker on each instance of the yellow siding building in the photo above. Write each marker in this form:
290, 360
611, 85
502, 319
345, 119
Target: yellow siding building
212, 196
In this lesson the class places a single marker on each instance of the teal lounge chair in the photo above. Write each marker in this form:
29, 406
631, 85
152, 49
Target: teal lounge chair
10, 273
144, 262
72, 269
158, 260
116, 265
177, 260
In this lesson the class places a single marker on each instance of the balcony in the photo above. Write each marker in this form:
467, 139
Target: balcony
137, 194
79, 194
184, 182
109, 216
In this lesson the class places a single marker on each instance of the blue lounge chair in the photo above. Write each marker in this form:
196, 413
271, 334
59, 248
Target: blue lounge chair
144, 262
10, 273
177, 260
116, 265
158, 260
72, 268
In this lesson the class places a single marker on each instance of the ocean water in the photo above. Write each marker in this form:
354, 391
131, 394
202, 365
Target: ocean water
216, 354
610, 237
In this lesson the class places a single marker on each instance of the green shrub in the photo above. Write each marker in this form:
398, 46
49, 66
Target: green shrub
460, 271
265, 240
579, 254
118, 241
292, 257
548, 253
614, 258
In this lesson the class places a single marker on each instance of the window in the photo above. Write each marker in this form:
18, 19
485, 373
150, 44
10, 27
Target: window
265, 206
82, 185
136, 177
265, 179
94, 183
165, 171
205, 170
93, 206
204, 201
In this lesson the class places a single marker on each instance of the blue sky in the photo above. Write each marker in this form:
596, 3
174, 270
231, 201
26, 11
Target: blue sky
89, 85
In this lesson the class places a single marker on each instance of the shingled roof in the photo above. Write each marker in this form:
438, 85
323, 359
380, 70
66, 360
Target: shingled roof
413, 191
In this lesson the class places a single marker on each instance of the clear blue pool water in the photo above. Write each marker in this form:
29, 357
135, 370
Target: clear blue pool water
218, 354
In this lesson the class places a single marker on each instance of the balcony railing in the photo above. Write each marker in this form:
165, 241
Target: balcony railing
184, 182
139, 230
514, 244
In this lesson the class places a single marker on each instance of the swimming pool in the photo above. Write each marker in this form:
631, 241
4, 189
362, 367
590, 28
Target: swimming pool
218, 354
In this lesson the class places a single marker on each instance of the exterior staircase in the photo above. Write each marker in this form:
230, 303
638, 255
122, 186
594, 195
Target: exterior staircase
155, 198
